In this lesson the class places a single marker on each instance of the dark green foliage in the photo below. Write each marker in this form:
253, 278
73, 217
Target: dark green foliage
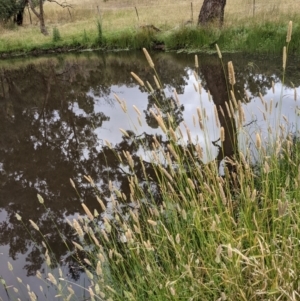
99, 39
14, 10
56, 35
195, 38
85, 38
10, 8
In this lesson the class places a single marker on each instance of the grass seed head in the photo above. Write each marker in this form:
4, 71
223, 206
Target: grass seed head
32, 296
52, 279
124, 133
231, 74
258, 141
150, 87
228, 109
196, 61
152, 223
39, 274
289, 32
137, 110
34, 225
87, 211
87, 261
284, 58
77, 228
156, 82
139, 81
40, 198
216, 117
78, 246
103, 207
219, 52
148, 57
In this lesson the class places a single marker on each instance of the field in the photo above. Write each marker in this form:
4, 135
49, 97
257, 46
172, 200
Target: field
78, 25
167, 14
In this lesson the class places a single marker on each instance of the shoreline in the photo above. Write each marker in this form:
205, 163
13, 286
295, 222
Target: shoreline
264, 39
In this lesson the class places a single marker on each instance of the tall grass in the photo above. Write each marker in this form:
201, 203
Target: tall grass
202, 235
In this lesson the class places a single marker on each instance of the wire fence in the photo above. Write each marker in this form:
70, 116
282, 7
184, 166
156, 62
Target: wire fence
180, 11
191, 9
250, 7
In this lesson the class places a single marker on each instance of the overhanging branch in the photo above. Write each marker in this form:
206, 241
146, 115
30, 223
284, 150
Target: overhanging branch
33, 9
63, 4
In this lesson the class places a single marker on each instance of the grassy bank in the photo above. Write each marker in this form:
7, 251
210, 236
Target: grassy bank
203, 236
115, 25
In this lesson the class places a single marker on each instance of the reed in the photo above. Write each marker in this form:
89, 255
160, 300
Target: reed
207, 236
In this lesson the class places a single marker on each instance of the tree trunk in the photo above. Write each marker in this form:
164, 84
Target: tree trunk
42, 19
216, 84
18, 18
40, 16
212, 11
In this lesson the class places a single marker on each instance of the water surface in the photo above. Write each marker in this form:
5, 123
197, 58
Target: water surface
56, 113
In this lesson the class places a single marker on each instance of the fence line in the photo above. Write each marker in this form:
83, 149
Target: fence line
169, 12
257, 6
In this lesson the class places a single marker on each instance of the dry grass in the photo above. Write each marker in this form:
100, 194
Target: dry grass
170, 12
117, 15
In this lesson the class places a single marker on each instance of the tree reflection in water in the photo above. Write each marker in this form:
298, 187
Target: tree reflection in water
48, 126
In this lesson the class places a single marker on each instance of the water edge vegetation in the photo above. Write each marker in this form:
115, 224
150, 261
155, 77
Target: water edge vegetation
206, 236
112, 26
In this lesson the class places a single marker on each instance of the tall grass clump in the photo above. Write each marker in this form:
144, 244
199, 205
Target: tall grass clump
99, 38
200, 234
192, 37
56, 37
85, 38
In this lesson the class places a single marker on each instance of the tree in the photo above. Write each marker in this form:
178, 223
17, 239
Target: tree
40, 14
12, 9
212, 11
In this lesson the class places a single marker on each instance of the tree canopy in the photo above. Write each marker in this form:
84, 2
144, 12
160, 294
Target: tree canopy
9, 8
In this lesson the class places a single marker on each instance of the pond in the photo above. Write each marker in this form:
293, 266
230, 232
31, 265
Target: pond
57, 114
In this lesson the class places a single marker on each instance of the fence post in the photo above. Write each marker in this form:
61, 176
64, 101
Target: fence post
192, 13
137, 14
253, 8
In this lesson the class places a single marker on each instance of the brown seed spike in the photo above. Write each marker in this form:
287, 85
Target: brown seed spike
231, 74
289, 32
140, 82
222, 134
258, 141
148, 57
284, 58
218, 51
196, 61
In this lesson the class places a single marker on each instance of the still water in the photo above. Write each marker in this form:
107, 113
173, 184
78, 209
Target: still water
56, 113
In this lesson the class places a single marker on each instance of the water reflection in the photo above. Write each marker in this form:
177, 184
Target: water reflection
55, 114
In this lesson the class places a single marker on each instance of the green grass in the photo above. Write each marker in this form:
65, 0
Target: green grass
246, 35
203, 236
